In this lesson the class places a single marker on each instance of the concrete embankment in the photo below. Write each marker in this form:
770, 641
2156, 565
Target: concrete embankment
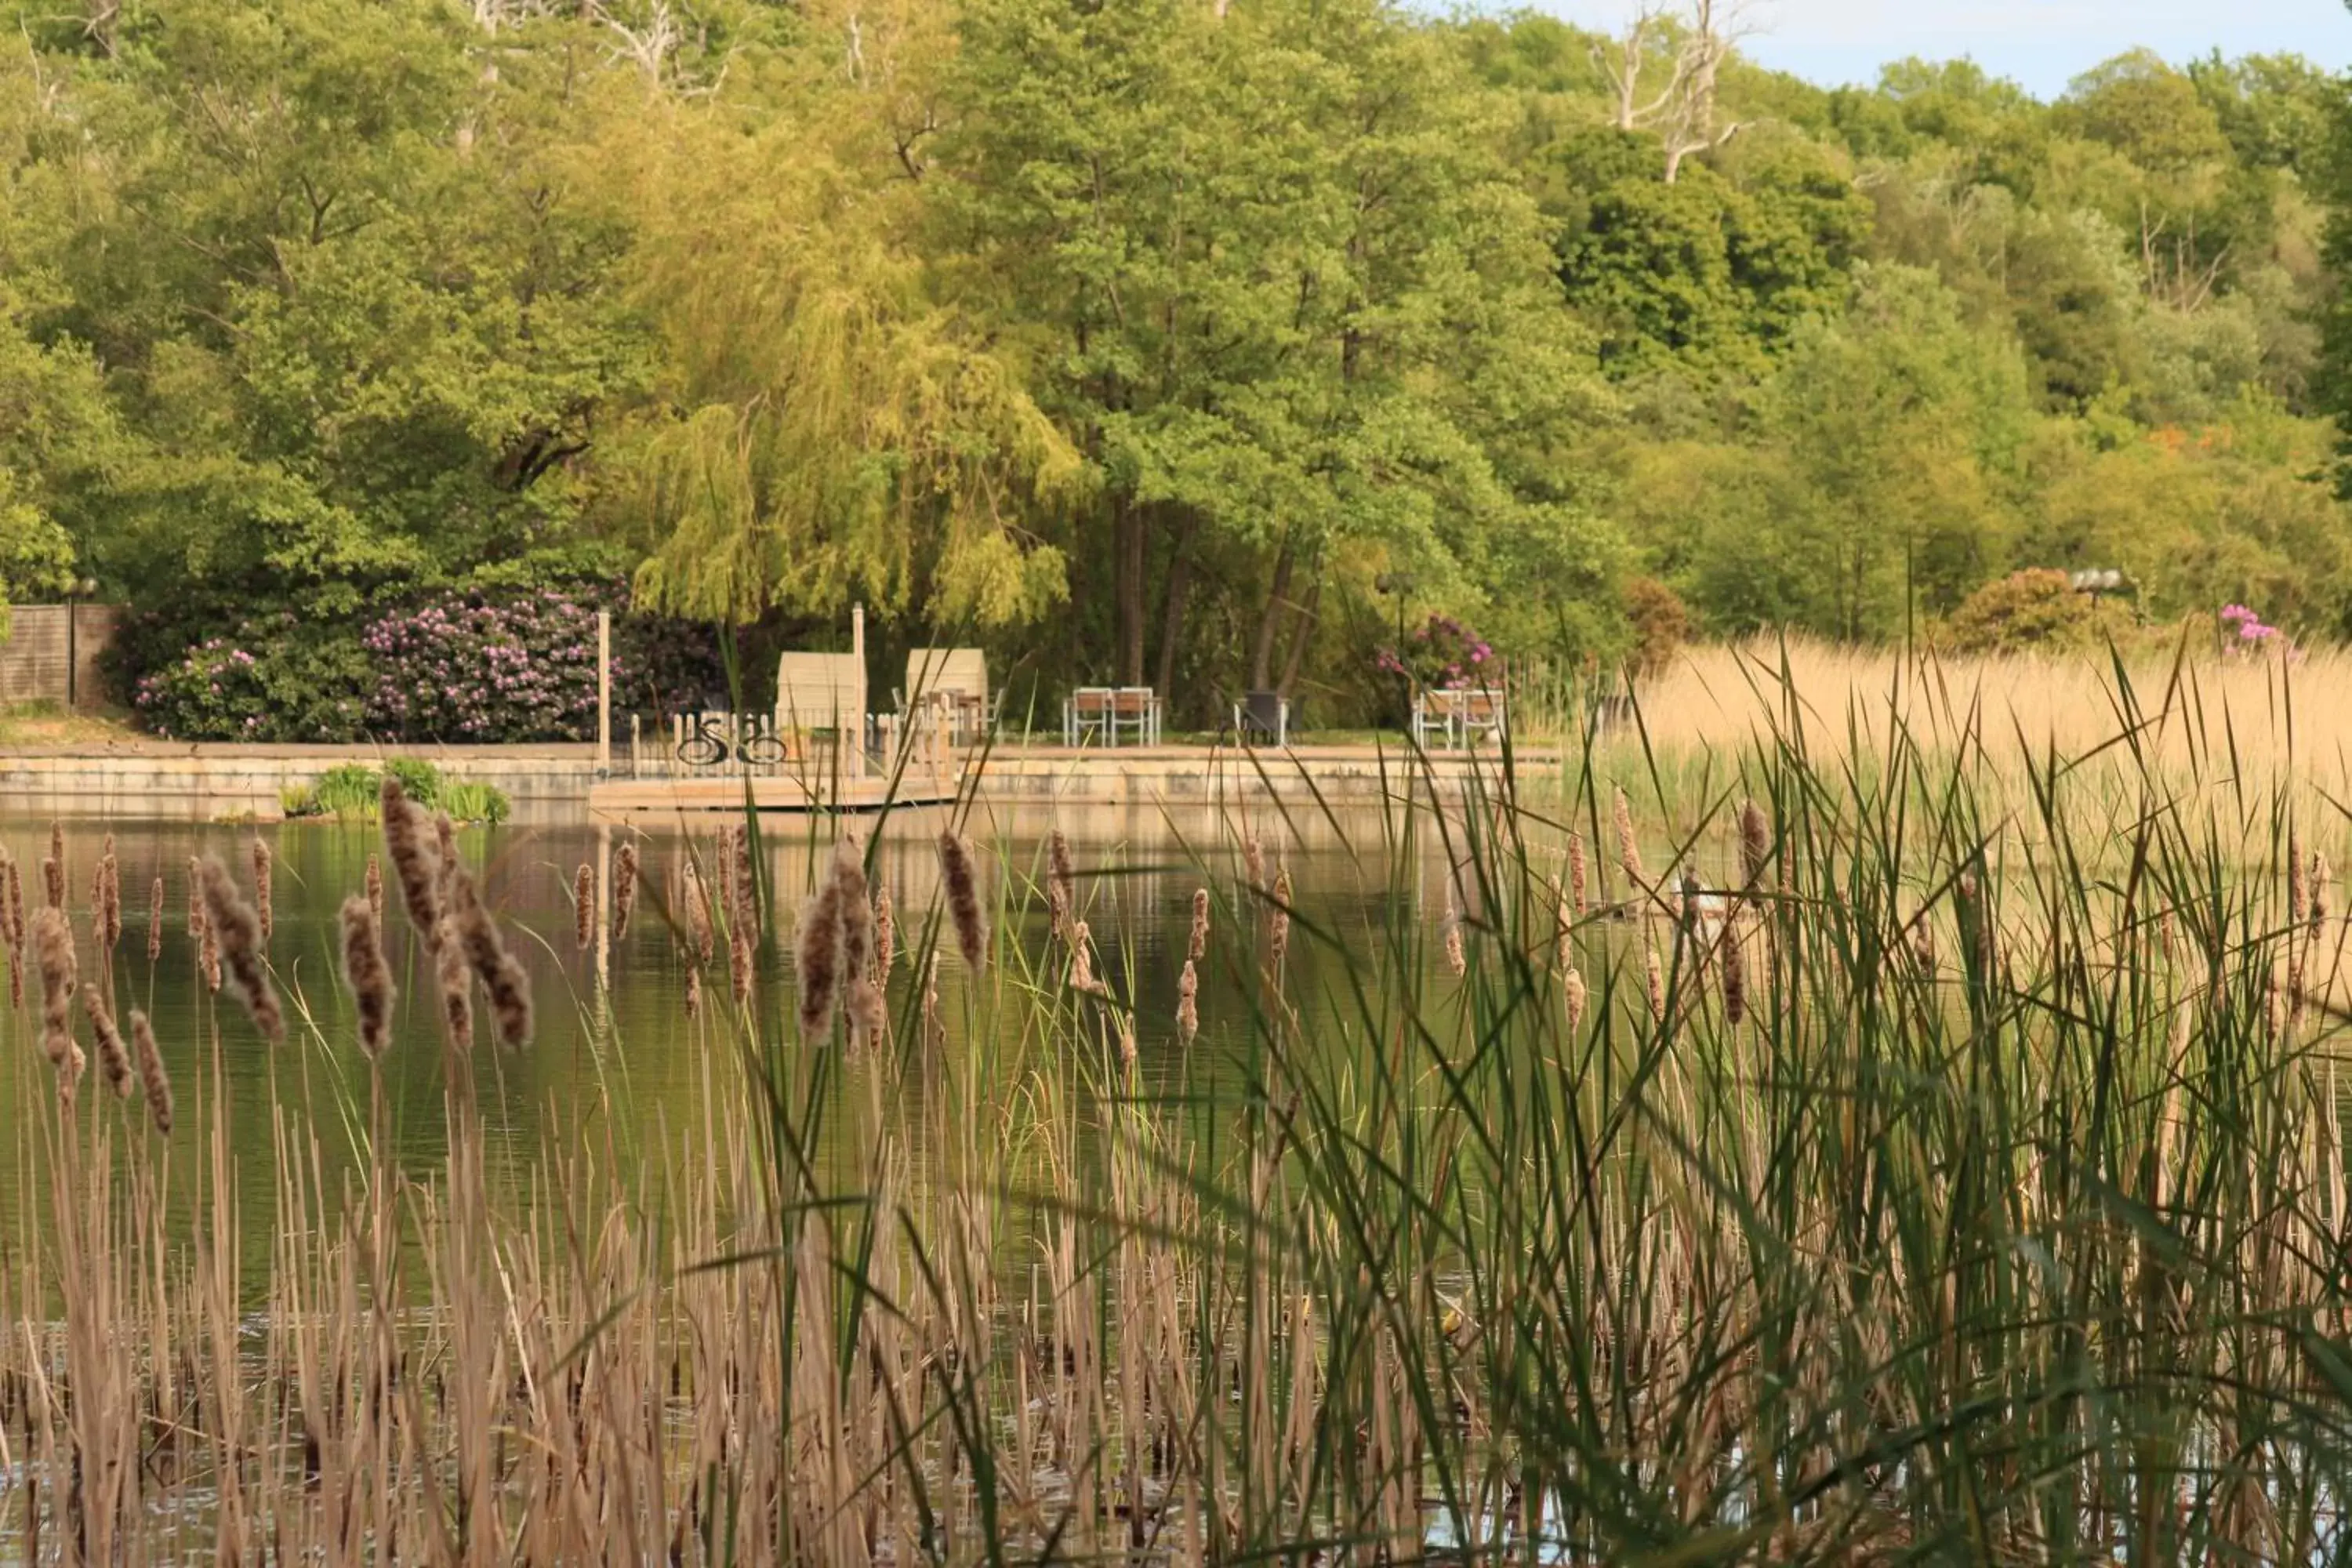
215, 781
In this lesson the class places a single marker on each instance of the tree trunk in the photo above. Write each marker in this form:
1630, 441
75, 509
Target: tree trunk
1300, 639
1127, 553
1269, 621
1171, 614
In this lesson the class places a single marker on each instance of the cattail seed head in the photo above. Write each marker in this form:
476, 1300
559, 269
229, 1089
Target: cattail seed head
1755, 846
698, 913
200, 930
110, 897
263, 904
1451, 926
113, 1056
1923, 942
1563, 939
747, 884
935, 1032
155, 921
233, 924
16, 903
2319, 876
53, 948
1127, 1038
1196, 945
1571, 985
1653, 977
456, 982
445, 852
741, 961
154, 1082
1629, 848
817, 959
1061, 881
1734, 969
583, 906
885, 935
1188, 1002
693, 994
962, 885
368, 975
504, 979
415, 862
1278, 922
375, 886
857, 911
1082, 959
624, 888
53, 869
1576, 874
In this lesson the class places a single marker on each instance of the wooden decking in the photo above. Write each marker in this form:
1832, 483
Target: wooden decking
780, 793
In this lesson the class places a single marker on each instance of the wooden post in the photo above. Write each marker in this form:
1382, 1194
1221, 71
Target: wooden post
856, 734
605, 692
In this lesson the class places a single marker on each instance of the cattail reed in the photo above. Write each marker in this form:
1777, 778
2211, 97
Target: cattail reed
1254, 860
963, 901
113, 1056
12, 915
741, 961
2298, 885
156, 920
1188, 1002
1127, 1038
817, 959
154, 1082
1733, 970
1061, 882
583, 906
2319, 875
413, 860
1571, 986
698, 913
885, 935
368, 975
856, 909
1576, 874
1629, 848
263, 905
1196, 945
693, 994
200, 928
624, 888
1923, 942
53, 869
504, 979
16, 903
1755, 848
374, 886
1654, 978
456, 982
1278, 921
1451, 926
935, 1032
232, 923
53, 947
722, 863
110, 897
747, 884
1082, 959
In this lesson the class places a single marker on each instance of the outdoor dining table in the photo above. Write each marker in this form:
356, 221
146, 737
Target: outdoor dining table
1109, 709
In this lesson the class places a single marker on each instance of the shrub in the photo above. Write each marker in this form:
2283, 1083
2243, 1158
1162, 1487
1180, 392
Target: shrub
516, 666
1661, 623
467, 801
2032, 611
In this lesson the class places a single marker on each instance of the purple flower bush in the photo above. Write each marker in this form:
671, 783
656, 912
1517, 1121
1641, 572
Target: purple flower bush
474, 667
2246, 635
1443, 653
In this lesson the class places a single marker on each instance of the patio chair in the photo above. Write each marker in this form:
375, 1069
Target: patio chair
957, 679
1262, 714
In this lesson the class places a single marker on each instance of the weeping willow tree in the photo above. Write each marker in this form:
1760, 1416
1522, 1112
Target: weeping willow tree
826, 431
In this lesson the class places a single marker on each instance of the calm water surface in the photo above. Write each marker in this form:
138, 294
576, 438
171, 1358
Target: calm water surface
612, 1039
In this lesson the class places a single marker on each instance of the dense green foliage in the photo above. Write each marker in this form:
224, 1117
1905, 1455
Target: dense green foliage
1175, 341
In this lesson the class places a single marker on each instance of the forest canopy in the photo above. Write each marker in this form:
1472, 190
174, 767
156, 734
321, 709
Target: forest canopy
1205, 343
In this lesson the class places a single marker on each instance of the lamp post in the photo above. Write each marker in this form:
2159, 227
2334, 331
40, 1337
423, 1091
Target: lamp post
2096, 581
